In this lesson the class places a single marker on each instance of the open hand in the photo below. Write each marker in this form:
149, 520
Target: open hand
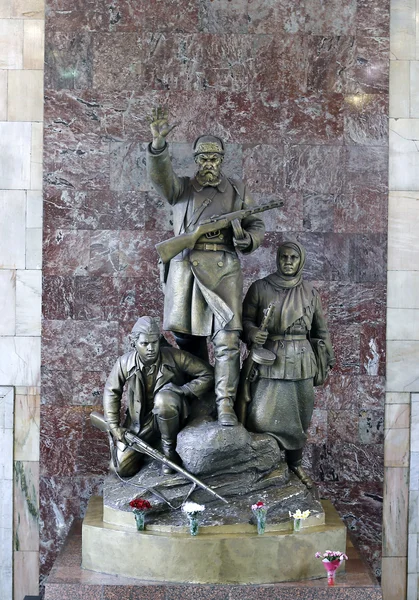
160, 127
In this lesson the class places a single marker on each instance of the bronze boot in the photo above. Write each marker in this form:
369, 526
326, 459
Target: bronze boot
169, 428
294, 459
225, 412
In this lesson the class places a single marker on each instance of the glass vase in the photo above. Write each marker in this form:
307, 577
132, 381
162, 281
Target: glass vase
331, 567
139, 519
297, 525
261, 523
193, 525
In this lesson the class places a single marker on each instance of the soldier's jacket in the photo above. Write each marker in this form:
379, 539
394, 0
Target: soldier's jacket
175, 366
203, 287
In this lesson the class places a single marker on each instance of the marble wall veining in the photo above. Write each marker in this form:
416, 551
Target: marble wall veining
300, 94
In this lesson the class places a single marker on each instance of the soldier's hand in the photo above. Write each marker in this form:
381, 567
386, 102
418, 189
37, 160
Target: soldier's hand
243, 243
258, 337
118, 433
160, 127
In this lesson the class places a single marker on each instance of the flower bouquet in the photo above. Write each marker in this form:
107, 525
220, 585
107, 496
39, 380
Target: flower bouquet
331, 560
192, 510
299, 516
139, 506
259, 510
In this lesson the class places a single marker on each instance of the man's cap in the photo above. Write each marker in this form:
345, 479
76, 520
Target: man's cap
208, 144
150, 325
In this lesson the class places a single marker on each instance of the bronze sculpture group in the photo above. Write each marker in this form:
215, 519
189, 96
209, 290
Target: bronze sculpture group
214, 218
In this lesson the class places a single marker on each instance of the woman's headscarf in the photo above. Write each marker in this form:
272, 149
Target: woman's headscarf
299, 300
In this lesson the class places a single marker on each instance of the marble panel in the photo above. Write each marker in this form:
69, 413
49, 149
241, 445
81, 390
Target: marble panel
412, 586
83, 164
58, 297
94, 455
351, 392
80, 345
367, 166
403, 324
318, 169
11, 44
347, 462
26, 574
414, 89
414, 471
371, 426
365, 120
61, 434
346, 344
33, 44
5, 9
404, 156
319, 212
403, 289
26, 506
15, 149
403, 30
413, 513
6, 448
373, 349
269, 17
397, 416
402, 366
414, 424
216, 16
8, 302
138, 258
325, 57
318, 430
20, 358
33, 209
28, 302
6, 549
403, 221
354, 303
397, 398
64, 388
33, 249
28, 9
288, 54
97, 298
286, 218
396, 447
412, 557
393, 580
36, 156
6, 407
399, 89
373, 17
3, 95
361, 209
334, 18
395, 511
338, 255
68, 59
25, 95
66, 252
265, 168
26, 441
343, 425
128, 167
104, 253
369, 73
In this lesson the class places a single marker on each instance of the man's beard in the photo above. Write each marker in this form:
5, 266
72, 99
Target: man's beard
208, 177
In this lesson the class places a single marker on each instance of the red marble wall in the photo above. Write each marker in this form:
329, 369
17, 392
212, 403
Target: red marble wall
299, 91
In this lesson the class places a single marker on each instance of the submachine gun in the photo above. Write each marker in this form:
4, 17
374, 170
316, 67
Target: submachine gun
257, 355
171, 248
136, 443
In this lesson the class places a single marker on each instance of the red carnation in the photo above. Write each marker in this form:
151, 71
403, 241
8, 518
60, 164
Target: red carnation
140, 504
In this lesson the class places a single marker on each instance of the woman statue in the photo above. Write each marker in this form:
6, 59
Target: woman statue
282, 395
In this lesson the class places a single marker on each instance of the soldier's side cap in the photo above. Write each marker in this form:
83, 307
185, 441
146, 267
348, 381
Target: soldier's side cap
150, 325
208, 144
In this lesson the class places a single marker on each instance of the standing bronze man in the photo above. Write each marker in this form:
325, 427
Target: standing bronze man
203, 286
160, 383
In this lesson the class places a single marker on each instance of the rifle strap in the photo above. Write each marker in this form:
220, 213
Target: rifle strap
200, 209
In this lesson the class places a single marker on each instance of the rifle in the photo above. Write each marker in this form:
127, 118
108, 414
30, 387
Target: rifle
258, 355
170, 248
136, 443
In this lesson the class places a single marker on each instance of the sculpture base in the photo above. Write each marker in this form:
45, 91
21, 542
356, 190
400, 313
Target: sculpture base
222, 557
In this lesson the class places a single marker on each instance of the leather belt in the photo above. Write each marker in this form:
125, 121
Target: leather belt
214, 247
289, 337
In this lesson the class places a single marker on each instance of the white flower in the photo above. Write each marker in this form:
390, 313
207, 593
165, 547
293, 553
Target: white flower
192, 507
300, 515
